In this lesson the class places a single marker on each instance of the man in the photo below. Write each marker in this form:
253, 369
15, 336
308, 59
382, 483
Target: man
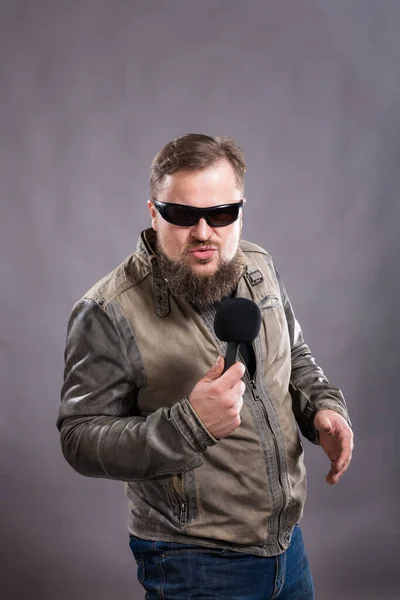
212, 461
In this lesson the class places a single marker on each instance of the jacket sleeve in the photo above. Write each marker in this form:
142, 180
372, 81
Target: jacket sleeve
310, 389
102, 433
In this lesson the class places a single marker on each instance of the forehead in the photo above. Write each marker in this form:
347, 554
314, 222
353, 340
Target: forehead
207, 187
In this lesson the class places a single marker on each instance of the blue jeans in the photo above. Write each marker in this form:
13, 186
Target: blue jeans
173, 571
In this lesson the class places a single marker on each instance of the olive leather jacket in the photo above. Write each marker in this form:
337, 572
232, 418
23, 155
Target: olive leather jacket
133, 354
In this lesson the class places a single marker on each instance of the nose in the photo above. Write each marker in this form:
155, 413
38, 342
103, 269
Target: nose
201, 231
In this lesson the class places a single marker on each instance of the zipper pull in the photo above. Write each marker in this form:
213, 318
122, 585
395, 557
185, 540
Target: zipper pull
183, 516
254, 388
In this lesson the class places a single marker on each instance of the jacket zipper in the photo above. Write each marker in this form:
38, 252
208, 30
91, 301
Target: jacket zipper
265, 413
183, 512
258, 399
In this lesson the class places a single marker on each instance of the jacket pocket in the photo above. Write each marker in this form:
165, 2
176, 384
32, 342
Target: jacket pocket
183, 497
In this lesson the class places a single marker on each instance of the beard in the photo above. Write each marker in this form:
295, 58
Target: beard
200, 290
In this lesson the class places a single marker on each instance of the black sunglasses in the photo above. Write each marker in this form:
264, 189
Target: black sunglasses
187, 216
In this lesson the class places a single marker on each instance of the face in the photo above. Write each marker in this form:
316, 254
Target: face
201, 247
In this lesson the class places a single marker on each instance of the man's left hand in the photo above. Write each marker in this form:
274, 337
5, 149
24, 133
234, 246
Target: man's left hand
336, 439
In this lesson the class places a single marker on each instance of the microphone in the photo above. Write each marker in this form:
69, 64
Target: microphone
237, 321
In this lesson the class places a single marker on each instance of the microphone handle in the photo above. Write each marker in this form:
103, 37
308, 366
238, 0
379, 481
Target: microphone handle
231, 356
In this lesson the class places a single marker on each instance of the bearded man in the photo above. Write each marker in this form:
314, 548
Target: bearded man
212, 460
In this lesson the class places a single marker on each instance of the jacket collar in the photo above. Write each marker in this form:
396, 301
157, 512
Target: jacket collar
146, 249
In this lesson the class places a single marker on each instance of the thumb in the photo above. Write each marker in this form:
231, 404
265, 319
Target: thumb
216, 370
323, 423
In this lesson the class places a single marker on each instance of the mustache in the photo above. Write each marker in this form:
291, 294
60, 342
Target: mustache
199, 243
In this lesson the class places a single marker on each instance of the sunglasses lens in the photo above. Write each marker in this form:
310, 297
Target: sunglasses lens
223, 216
183, 216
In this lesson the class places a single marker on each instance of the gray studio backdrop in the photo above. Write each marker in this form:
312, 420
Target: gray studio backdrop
90, 90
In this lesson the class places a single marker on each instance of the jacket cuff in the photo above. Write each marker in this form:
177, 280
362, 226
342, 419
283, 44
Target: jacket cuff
191, 426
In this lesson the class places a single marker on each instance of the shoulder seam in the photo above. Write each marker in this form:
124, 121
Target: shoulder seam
123, 289
99, 291
248, 247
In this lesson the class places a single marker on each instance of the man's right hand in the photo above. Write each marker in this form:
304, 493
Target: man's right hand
218, 398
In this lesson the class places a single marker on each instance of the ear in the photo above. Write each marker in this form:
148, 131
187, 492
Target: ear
153, 214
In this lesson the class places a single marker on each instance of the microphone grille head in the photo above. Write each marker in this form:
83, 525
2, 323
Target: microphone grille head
237, 320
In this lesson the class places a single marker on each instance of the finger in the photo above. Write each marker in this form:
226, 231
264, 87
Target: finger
331, 478
233, 375
333, 455
342, 461
344, 468
343, 464
238, 389
334, 475
340, 464
345, 452
215, 371
337, 470
234, 396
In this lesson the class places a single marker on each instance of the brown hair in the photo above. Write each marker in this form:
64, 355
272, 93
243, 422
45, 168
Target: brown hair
195, 151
